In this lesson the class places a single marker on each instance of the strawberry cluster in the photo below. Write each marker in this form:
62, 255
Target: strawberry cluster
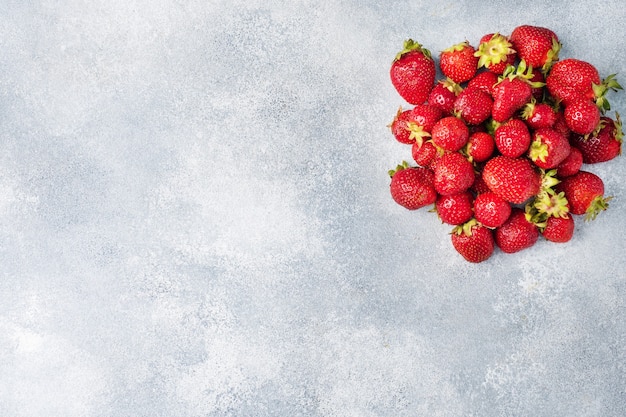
501, 141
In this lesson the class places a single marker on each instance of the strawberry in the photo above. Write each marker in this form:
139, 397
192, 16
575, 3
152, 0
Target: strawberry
513, 179
413, 72
473, 241
512, 138
458, 62
495, 53
412, 187
484, 81
572, 79
400, 128
479, 186
456, 208
538, 83
560, 125
480, 146
450, 133
443, 95
424, 154
513, 91
582, 116
571, 164
491, 210
585, 193
453, 174
604, 144
421, 121
536, 45
473, 105
558, 229
548, 148
517, 233
538, 115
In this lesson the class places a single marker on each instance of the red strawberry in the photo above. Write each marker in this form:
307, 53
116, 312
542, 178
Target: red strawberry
412, 187
473, 105
491, 210
456, 208
512, 138
517, 233
571, 164
450, 133
513, 179
572, 79
538, 46
413, 72
424, 154
421, 121
480, 146
453, 174
582, 116
560, 125
585, 193
559, 229
443, 95
604, 144
512, 92
458, 62
484, 81
400, 128
548, 148
495, 53
473, 241
538, 115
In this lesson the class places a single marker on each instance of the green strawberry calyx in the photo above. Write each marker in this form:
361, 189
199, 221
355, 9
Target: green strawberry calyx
538, 150
552, 204
417, 133
523, 71
600, 91
494, 51
399, 167
465, 228
411, 46
458, 47
552, 56
597, 206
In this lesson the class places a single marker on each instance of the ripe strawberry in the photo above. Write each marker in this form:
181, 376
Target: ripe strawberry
582, 116
400, 128
538, 115
456, 208
480, 146
513, 179
458, 62
484, 81
421, 121
558, 229
413, 72
473, 105
443, 95
571, 164
604, 144
538, 46
585, 193
517, 233
548, 148
479, 186
450, 133
453, 174
495, 53
473, 241
572, 79
491, 210
424, 154
512, 138
513, 91
412, 187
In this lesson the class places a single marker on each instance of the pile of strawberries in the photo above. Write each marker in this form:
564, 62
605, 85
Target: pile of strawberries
500, 142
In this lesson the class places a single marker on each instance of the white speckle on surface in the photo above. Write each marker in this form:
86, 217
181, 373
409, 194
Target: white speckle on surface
195, 220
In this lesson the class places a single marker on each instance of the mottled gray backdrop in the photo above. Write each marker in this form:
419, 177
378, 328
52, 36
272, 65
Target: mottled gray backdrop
195, 221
